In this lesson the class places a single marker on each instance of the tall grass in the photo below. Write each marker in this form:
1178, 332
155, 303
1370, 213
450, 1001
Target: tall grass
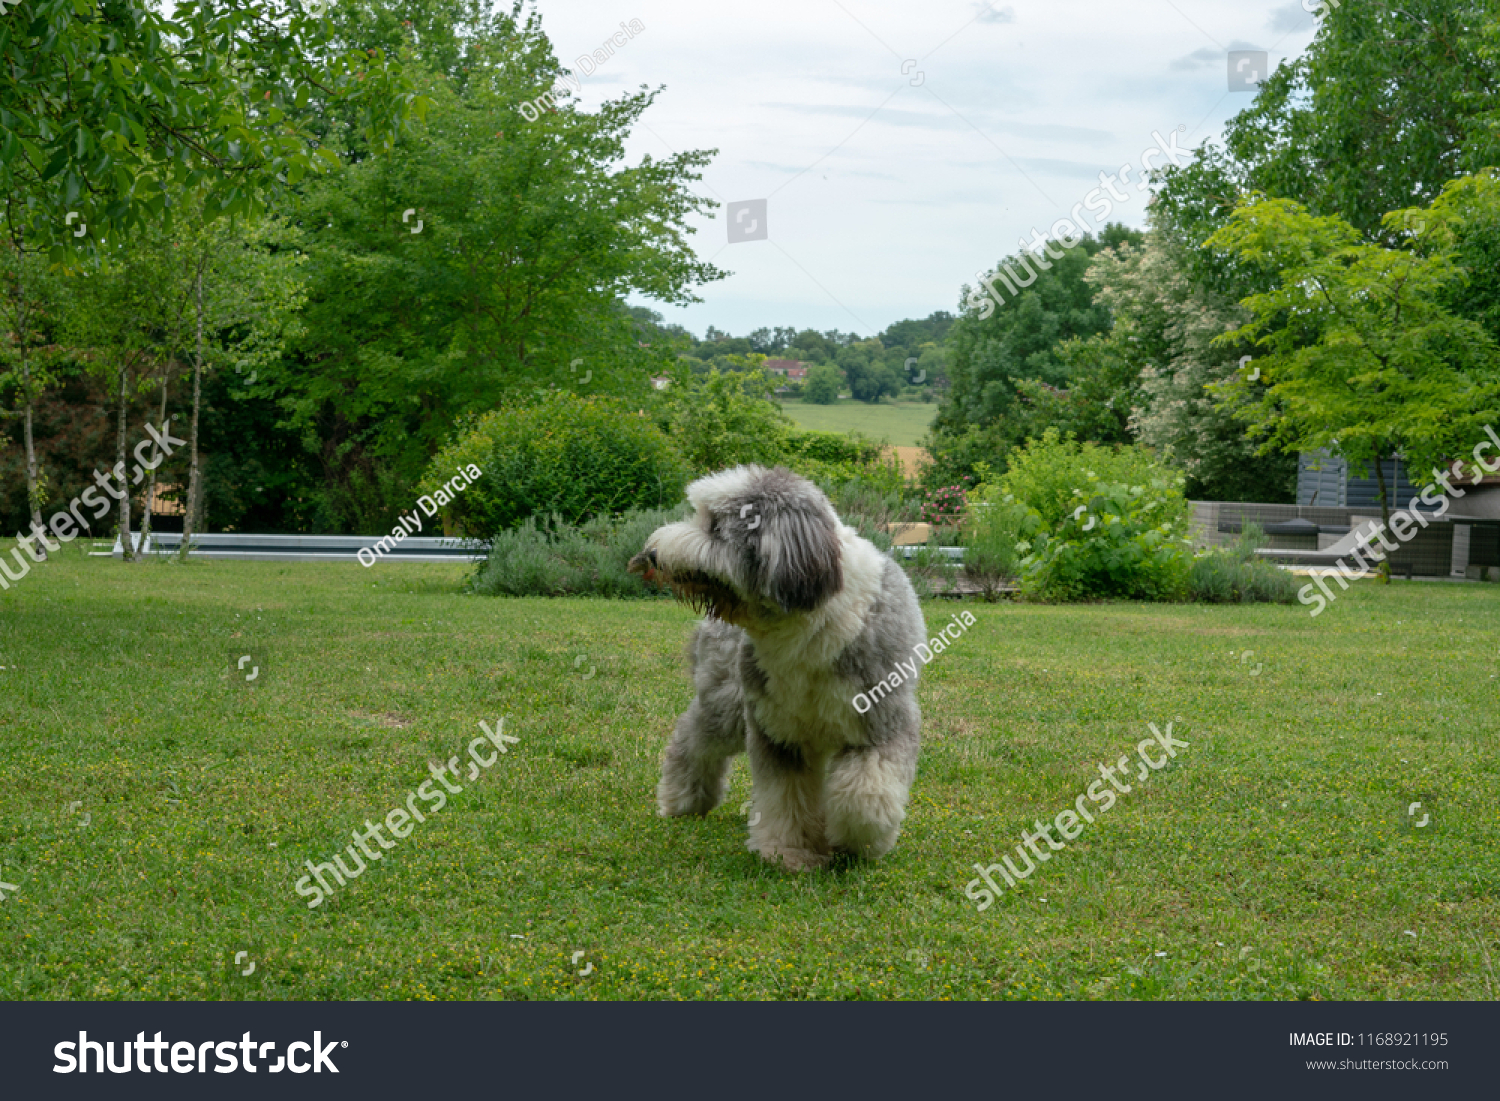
1237, 575
556, 558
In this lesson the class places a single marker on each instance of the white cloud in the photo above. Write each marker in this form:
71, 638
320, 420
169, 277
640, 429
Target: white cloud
884, 195
1200, 58
1291, 17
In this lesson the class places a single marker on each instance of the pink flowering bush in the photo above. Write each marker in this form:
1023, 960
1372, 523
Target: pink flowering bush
944, 507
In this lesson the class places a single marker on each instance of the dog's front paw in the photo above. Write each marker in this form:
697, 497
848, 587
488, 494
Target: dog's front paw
679, 801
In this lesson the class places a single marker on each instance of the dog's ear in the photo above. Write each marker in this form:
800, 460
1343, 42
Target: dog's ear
798, 557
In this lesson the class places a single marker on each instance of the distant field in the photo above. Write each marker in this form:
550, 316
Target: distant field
903, 424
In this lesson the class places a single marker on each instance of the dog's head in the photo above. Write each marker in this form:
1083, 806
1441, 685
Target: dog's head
762, 544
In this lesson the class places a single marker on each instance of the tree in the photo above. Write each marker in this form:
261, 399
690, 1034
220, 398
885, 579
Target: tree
104, 108
1387, 104
1095, 405
771, 342
485, 257
121, 316
993, 348
813, 346
246, 300
1004, 369
1364, 357
823, 385
28, 311
1159, 368
870, 378
914, 332
930, 369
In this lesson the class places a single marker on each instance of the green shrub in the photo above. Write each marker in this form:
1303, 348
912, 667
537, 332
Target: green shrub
556, 558
1120, 541
1237, 575
992, 534
1044, 474
883, 474
871, 506
725, 419
831, 447
576, 456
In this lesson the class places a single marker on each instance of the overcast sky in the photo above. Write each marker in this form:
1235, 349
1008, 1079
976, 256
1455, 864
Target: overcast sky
901, 147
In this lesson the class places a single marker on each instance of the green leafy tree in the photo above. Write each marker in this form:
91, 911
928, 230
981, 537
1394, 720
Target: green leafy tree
996, 348
484, 257
1365, 359
813, 346
29, 313
202, 292
105, 107
246, 298
930, 371
915, 332
870, 377
1389, 102
1157, 373
125, 318
823, 385
723, 420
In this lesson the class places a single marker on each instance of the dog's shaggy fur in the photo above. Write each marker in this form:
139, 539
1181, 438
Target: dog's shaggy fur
803, 615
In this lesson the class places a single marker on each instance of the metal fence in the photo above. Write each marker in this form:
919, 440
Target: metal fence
307, 548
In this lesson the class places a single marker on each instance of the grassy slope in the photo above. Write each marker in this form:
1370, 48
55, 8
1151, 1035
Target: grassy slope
905, 423
1281, 834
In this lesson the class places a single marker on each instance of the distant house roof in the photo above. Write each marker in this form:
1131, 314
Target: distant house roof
661, 383
791, 368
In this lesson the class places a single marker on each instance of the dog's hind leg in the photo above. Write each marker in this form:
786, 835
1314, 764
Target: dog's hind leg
786, 820
710, 732
864, 796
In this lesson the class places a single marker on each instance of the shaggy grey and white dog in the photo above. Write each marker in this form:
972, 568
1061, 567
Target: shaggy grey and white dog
803, 616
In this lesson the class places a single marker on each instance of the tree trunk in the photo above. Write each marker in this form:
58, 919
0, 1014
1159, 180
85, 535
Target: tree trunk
1383, 572
23, 344
195, 490
123, 419
161, 419
33, 495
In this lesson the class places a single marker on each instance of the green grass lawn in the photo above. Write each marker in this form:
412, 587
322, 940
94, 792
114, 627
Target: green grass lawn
1274, 858
903, 423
